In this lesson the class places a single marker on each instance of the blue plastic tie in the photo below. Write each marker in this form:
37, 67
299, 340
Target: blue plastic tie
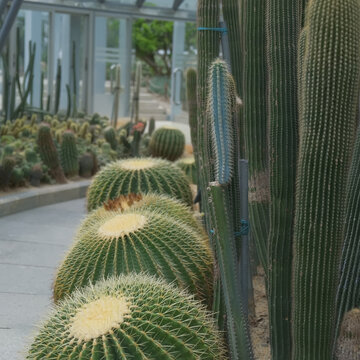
219, 29
245, 227
212, 231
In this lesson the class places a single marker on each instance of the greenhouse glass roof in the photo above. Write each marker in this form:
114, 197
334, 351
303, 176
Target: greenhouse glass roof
156, 9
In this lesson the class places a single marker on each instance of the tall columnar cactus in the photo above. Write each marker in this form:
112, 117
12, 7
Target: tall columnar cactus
329, 105
254, 113
57, 87
208, 13
348, 296
129, 317
188, 166
141, 175
221, 108
191, 78
136, 96
167, 143
137, 241
6, 169
110, 137
69, 154
282, 32
49, 154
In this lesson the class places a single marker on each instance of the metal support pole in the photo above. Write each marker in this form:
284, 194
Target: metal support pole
3, 4
9, 21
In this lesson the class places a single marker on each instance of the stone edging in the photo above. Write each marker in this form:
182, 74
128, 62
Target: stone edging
30, 199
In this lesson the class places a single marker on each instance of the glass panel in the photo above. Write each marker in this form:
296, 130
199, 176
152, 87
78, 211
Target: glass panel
70, 49
107, 55
190, 5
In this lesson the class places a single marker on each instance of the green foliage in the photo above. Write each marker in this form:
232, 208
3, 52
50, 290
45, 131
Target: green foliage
330, 74
141, 175
36, 175
167, 143
128, 317
177, 253
69, 154
6, 169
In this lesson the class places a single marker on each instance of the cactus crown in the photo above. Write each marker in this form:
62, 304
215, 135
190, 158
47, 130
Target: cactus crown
221, 108
137, 164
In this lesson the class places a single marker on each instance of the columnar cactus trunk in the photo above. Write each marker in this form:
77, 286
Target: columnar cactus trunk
191, 78
329, 101
256, 140
348, 296
282, 32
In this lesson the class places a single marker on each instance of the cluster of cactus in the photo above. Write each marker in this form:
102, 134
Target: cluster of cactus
128, 317
141, 175
137, 240
167, 143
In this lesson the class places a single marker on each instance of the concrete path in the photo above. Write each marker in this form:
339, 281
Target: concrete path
32, 243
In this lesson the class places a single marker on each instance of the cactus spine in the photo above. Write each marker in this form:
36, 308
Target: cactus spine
49, 154
142, 175
69, 154
128, 317
221, 108
283, 139
167, 143
348, 296
255, 121
329, 103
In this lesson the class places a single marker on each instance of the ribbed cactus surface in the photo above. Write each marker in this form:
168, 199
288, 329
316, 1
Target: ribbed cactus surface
255, 120
162, 204
221, 108
69, 154
49, 154
128, 317
348, 296
188, 166
282, 31
86, 165
191, 78
115, 242
110, 137
140, 175
167, 143
329, 106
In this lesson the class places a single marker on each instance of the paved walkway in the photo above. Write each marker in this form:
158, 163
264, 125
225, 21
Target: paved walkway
32, 243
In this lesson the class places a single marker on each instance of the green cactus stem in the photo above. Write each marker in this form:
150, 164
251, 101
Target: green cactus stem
188, 166
110, 137
191, 79
348, 296
128, 317
6, 169
329, 107
221, 110
86, 165
167, 143
136, 96
69, 154
151, 126
49, 154
283, 144
57, 87
137, 240
141, 175
74, 81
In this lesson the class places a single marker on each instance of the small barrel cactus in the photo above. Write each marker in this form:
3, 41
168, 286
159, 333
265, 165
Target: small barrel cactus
140, 175
6, 169
167, 143
69, 154
31, 156
188, 166
17, 177
115, 242
86, 163
128, 317
49, 154
110, 137
36, 175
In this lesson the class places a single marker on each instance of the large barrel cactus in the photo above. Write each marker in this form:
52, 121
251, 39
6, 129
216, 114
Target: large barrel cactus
128, 317
115, 242
141, 175
163, 204
49, 154
329, 105
69, 154
167, 143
